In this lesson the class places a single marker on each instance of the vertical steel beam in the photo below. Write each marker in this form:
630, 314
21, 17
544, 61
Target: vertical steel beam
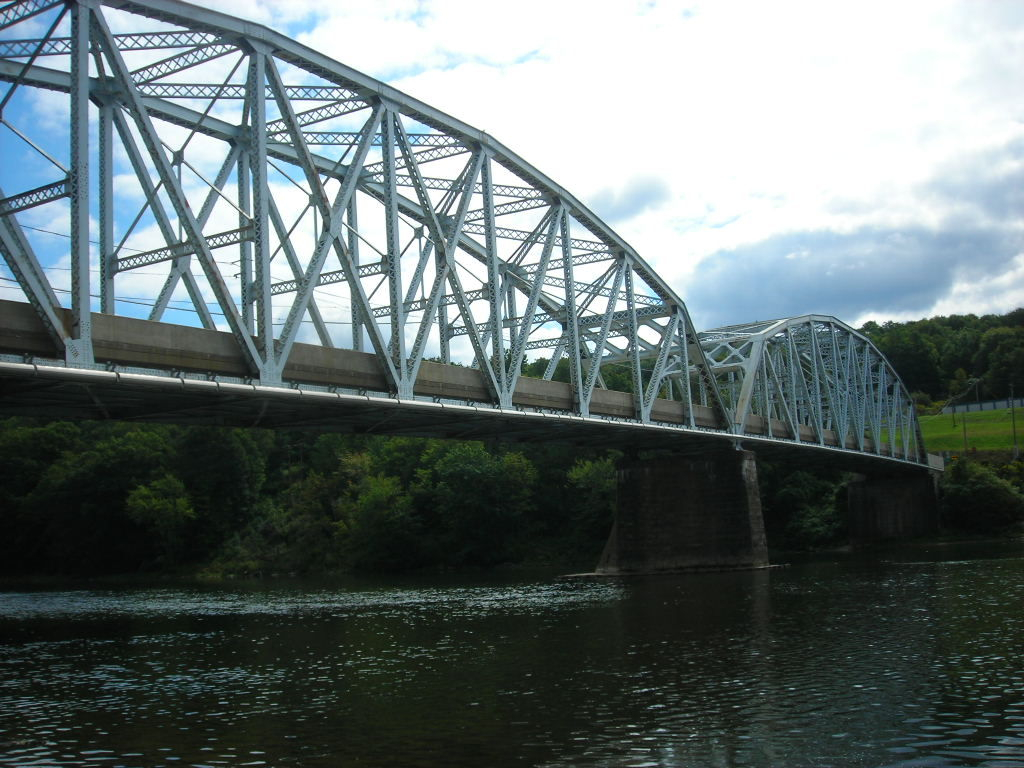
393, 265
816, 397
879, 409
451, 274
257, 96
284, 236
892, 417
352, 220
180, 267
796, 406
764, 382
494, 287
686, 388
473, 332
842, 400
571, 322
866, 394
156, 207
858, 391
329, 238
79, 349
106, 162
245, 261
444, 329
634, 344
742, 401
829, 375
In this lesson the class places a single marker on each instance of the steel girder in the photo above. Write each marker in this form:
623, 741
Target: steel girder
215, 172
815, 380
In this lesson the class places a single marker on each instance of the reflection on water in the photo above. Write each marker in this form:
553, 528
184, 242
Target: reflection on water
905, 660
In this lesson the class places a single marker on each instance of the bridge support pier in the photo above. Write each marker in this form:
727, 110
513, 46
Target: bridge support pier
683, 513
890, 507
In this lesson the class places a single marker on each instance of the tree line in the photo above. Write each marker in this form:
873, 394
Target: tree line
938, 357
101, 497
965, 357
90, 498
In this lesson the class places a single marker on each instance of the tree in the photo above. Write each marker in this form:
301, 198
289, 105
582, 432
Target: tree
384, 533
81, 502
224, 470
27, 450
928, 353
914, 356
801, 508
162, 509
1000, 359
594, 483
479, 501
975, 499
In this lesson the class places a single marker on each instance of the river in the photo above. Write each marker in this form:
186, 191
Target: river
898, 658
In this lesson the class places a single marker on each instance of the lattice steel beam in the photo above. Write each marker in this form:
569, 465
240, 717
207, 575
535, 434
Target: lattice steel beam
33, 197
147, 41
25, 9
186, 248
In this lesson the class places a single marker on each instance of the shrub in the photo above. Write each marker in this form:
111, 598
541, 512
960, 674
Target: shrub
977, 500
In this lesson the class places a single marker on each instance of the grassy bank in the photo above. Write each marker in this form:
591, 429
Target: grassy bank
986, 430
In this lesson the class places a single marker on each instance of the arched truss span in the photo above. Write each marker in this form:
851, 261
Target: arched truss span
205, 166
168, 162
816, 380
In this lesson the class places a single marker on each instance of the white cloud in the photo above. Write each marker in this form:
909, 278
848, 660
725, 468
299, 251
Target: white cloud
761, 119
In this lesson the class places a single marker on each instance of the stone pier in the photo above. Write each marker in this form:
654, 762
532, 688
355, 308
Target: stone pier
890, 507
683, 513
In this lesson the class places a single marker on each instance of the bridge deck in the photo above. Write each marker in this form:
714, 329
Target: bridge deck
168, 373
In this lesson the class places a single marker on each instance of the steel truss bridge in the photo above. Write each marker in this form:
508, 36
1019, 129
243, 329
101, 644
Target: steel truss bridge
214, 222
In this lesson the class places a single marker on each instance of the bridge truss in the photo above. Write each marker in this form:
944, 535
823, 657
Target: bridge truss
813, 379
165, 161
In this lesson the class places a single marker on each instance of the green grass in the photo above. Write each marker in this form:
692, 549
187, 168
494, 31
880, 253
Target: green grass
986, 430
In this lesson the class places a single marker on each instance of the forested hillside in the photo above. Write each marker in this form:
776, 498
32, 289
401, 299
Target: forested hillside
98, 498
937, 357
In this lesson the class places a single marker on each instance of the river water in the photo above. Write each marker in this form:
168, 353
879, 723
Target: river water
903, 658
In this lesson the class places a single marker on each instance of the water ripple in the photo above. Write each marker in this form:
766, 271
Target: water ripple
883, 664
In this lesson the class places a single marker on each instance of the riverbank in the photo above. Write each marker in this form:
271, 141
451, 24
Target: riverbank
93, 498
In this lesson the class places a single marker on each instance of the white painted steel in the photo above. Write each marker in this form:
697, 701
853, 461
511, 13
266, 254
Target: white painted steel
264, 189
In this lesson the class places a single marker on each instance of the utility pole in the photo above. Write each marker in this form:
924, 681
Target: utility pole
963, 419
977, 397
1013, 423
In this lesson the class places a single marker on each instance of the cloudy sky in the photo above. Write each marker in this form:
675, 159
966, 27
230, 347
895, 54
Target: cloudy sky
864, 160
